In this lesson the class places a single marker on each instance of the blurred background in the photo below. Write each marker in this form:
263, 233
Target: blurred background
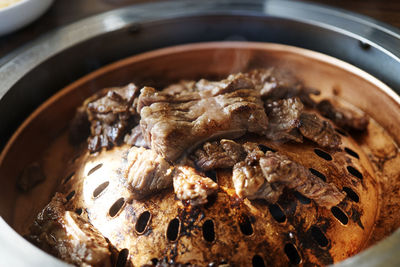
63, 12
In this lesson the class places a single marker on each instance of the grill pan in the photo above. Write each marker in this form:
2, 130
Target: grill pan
292, 231
316, 27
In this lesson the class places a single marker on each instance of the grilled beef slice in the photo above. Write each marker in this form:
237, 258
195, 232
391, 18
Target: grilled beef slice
146, 172
69, 237
175, 125
284, 118
112, 113
192, 186
280, 170
319, 131
343, 117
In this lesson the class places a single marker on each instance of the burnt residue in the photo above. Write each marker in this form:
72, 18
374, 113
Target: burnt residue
189, 216
353, 211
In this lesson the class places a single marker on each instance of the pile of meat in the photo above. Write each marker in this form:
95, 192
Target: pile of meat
179, 133
188, 128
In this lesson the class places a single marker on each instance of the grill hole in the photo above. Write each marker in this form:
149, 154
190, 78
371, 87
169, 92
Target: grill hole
340, 215
95, 168
351, 152
257, 261
142, 222
277, 213
292, 253
341, 132
78, 211
322, 154
319, 236
265, 148
100, 189
212, 175
245, 225
208, 231
301, 198
351, 194
68, 178
116, 207
353, 171
122, 258
70, 195
318, 174
173, 229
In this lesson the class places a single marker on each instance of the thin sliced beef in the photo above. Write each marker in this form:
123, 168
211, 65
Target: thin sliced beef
319, 131
248, 179
182, 87
173, 126
112, 113
67, 236
284, 118
343, 117
147, 172
218, 154
275, 84
135, 138
190, 185
280, 170
249, 182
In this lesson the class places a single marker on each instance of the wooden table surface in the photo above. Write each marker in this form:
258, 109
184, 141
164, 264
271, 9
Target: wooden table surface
66, 11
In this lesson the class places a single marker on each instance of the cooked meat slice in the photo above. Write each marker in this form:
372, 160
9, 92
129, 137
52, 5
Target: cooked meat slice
280, 170
284, 118
190, 185
181, 87
249, 182
30, 177
69, 237
146, 172
112, 113
232, 83
222, 154
176, 125
275, 84
319, 131
343, 117
135, 138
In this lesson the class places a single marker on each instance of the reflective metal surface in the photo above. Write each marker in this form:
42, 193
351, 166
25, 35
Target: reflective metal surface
34, 72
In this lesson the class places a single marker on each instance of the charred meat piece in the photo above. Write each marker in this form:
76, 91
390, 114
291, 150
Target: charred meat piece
233, 82
343, 117
67, 236
190, 185
319, 131
173, 126
275, 84
30, 177
219, 154
248, 179
249, 182
284, 118
182, 87
112, 113
147, 172
135, 138
280, 170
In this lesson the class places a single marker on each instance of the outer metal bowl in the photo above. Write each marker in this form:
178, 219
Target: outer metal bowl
33, 73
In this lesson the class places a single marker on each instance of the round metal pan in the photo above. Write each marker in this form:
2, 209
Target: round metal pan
35, 72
